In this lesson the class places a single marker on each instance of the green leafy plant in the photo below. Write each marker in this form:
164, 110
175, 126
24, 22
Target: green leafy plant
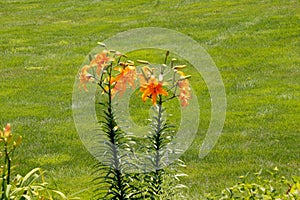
272, 187
31, 186
9, 146
112, 182
154, 87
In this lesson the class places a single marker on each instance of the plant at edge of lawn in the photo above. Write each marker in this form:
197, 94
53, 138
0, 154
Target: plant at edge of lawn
31, 186
273, 187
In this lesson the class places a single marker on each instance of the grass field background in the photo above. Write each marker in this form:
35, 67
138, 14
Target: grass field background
255, 44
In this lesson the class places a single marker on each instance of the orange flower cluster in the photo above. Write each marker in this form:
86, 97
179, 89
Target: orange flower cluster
127, 75
7, 137
97, 68
150, 86
99, 62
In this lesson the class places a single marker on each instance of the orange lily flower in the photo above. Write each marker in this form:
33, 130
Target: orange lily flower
85, 77
184, 97
184, 90
112, 82
126, 75
152, 89
6, 130
100, 60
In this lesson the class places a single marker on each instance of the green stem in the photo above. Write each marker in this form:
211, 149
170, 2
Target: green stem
166, 57
112, 137
6, 163
158, 133
158, 147
8, 169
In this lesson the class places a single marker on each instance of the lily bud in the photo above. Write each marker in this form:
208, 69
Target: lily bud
117, 53
19, 140
123, 64
185, 77
167, 53
130, 62
179, 67
9, 139
101, 44
7, 127
172, 62
7, 130
143, 62
180, 73
160, 77
90, 57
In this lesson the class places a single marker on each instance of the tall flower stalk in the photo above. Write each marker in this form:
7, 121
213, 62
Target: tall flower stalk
9, 147
158, 139
112, 76
160, 91
114, 176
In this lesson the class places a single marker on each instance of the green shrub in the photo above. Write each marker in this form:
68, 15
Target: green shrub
31, 186
271, 187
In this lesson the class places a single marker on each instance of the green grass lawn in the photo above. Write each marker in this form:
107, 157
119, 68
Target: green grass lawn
255, 44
